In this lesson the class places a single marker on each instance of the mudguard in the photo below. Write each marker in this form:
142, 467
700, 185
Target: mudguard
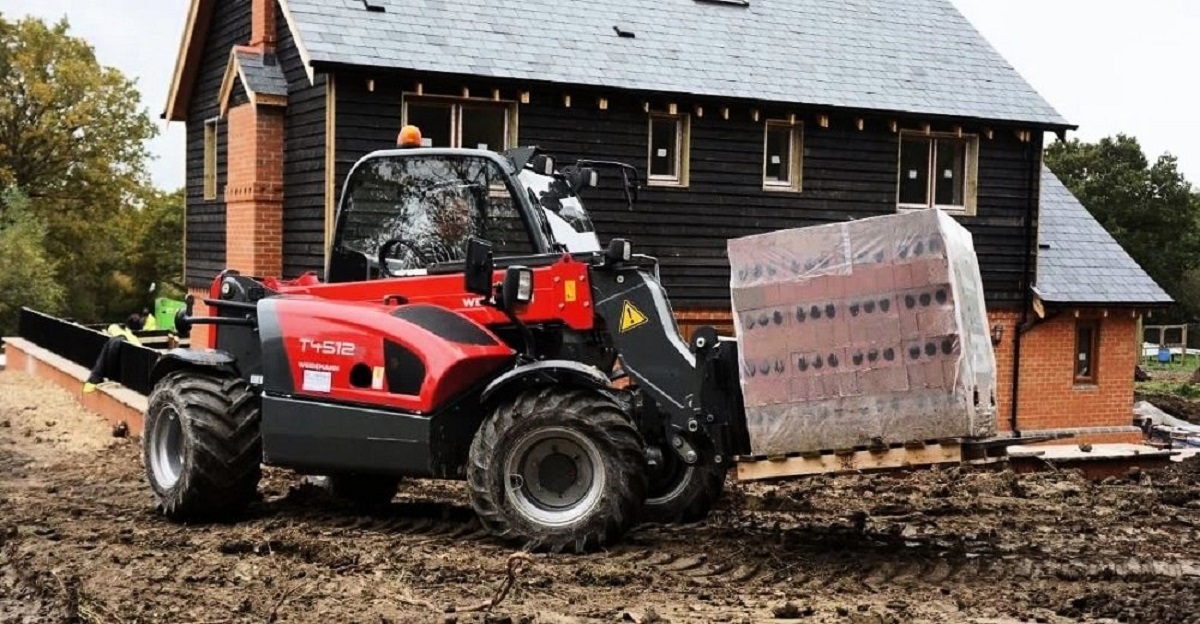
547, 372
178, 359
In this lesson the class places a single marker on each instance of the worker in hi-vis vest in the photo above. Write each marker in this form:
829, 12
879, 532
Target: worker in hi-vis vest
108, 364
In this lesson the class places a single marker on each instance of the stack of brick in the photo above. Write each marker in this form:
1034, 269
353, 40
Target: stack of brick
862, 333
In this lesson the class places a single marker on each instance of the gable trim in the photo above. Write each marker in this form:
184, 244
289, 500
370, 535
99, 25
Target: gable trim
235, 73
191, 48
305, 57
191, 52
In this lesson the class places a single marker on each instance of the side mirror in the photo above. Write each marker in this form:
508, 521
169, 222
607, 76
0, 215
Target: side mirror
479, 267
619, 250
580, 178
518, 287
542, 164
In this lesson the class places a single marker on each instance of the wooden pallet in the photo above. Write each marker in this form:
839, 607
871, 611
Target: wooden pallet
894, 457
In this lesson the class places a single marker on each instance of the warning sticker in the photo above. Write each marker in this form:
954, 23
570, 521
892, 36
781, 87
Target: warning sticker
569, 291
631, 317
377, 378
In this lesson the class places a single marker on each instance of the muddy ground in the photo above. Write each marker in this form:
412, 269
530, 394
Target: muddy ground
80, 542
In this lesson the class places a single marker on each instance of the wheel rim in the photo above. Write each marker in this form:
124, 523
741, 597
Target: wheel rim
166, 449
555, 476
670, 480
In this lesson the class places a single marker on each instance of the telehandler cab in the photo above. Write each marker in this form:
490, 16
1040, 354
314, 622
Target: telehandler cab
472, 328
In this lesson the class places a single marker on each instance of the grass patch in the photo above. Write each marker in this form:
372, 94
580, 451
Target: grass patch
1181, 389
1188, 364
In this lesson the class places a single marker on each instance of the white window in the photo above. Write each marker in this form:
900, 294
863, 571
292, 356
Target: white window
938, 171
782, 156
446, 122
669, 147
210, 159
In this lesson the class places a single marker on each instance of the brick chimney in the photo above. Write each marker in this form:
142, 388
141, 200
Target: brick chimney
254, 189
262, 25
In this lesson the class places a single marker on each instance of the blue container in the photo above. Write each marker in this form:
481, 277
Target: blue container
1164, 355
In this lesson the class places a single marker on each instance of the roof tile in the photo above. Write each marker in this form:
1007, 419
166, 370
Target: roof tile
1083, 263
915, 56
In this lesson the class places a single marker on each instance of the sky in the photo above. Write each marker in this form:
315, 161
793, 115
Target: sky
1108, 66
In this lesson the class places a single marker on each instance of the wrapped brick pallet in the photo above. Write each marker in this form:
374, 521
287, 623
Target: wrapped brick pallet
862, 332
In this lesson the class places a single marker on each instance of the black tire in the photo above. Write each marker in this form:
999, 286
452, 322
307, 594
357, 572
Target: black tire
682, 493
584, 422
202, 429
365, 491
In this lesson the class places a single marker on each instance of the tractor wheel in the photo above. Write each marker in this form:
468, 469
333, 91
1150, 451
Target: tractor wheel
682, 493
365, 491
558, 469
202, 447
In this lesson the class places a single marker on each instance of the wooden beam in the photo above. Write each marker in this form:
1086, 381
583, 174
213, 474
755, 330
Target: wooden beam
602, 103
895, 126
725, 112
851, 461
860, 123
672, 109
524, 97
928, 129
958, 131
496, 94
371, 85
646, 106
823, 121
567, 101
754, 113
792, 119
420, 89
699, 111
987, 132
466, 92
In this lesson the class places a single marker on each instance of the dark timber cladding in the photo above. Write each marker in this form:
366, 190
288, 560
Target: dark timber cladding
303, 161
847, 174
205, 251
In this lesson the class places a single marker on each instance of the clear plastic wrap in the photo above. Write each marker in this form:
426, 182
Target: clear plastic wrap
860, 333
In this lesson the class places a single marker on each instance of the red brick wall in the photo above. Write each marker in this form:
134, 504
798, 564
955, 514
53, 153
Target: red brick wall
254, 193
200, 333
1049, 396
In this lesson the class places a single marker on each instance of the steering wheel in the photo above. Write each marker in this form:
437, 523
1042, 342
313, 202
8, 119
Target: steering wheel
386, 249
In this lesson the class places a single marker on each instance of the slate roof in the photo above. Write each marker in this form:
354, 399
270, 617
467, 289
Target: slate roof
1079, 262
261, 73
914, 56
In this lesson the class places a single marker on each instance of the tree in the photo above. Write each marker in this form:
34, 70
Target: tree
28, 278
72, 138
1150, 209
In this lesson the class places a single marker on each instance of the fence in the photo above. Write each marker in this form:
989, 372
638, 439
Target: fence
82, 346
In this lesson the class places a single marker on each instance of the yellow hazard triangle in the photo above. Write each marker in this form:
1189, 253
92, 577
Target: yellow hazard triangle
631, 317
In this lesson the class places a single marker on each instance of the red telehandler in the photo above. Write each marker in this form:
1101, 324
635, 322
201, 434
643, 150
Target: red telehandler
472, 328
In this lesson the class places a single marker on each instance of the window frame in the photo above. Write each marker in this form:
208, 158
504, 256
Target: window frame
211, 172
457, 106
1093, 376
970, 175
795, 181
683, 148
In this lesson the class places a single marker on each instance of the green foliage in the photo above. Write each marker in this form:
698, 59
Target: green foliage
28, 277
1150, 209
1180, 389
73, 139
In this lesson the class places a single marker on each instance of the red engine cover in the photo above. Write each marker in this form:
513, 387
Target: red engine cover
412, 357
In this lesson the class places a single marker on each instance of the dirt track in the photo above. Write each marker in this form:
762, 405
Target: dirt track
79, 541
